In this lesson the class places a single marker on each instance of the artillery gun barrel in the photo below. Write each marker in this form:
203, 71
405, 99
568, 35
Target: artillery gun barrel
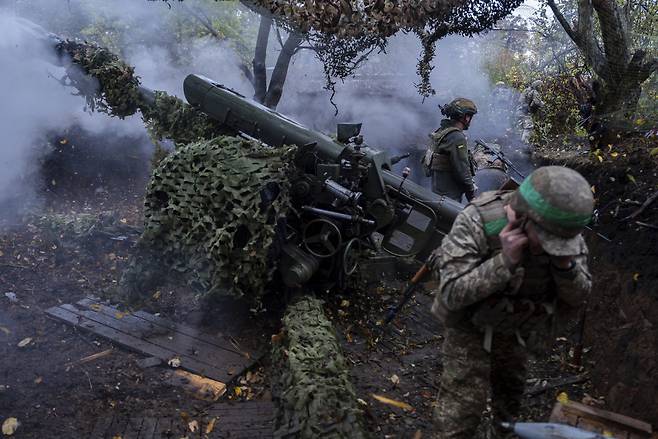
241, 114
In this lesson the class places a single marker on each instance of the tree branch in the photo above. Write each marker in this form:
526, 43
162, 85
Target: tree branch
280, 72
259, 61
563, 22
614, 32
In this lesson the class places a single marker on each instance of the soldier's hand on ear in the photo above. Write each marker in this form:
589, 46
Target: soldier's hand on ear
513, 241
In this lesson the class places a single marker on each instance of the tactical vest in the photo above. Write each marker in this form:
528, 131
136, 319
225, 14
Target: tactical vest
526, 302
434, 160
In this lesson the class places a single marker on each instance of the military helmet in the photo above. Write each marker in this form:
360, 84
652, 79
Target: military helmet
459, 108
560, 203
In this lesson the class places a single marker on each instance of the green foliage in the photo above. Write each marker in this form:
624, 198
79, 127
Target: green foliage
561, 113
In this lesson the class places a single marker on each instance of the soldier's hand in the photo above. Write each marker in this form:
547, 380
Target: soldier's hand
513, 240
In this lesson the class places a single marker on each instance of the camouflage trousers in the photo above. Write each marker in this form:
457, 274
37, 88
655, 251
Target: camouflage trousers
470, 373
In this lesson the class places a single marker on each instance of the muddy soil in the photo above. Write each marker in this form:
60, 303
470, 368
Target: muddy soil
621, 329
53, 396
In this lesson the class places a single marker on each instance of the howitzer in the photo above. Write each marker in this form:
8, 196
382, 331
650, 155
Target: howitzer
344, 191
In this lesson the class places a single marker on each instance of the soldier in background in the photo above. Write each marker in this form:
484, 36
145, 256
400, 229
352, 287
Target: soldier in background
447, 159
531, 106
513, 262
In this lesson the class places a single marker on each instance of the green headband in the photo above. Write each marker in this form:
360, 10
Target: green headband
550, 213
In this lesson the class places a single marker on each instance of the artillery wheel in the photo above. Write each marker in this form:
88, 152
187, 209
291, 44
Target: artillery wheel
351, 256
322, 238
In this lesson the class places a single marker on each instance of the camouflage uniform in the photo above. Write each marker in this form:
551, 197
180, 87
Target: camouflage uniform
450, 165
531, 105
494, 316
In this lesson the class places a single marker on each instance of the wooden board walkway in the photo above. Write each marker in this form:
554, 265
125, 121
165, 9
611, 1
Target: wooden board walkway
601, 421
252, 419
201, 353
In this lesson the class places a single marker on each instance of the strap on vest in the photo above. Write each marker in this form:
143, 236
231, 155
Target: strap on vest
491, 207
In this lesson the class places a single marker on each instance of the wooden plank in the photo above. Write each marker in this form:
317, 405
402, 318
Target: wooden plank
117, 428
224, 365
253, 419
183, 329
101, 427
134, 343
133, 428
168, 337
163, 429
626, 421
600, 427
148, 428
576, 418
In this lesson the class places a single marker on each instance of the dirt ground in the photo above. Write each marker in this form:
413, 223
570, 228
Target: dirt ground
53, 396
622, 315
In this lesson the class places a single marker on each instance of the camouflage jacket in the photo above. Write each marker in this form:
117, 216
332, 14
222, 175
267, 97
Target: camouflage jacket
451, 155
532, 101
474, 278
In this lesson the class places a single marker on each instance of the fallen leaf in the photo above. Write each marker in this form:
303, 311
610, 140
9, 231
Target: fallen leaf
563, 398
38, 380
636, 276
193, 426
174, 362
157, 295
593, 189
345, 303
393, 402
123, 221
614, 154
651, 153
5, 330
211, 426
119, 315
24, 342
395, 379
631, 178
277, 338
10, 426
237, 391
361, 401
96, 307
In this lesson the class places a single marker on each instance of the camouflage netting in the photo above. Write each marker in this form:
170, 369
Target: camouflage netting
311, 387
169, 117
109, 85
367, 23
212, 211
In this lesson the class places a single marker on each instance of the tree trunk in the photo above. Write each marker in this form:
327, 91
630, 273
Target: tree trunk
280, 72
621, 70
260, 72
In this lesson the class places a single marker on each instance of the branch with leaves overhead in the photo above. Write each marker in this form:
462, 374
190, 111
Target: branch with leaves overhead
341, 31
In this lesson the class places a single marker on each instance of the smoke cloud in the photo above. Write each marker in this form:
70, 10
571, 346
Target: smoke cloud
381, 94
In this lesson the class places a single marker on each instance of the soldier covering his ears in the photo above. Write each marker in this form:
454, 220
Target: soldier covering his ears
513, 261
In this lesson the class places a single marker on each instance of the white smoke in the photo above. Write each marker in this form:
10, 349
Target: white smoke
34, 102
381, 95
